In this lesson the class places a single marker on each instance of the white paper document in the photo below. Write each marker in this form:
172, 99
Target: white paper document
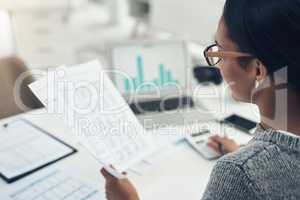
92, 107
51, 185
24, 147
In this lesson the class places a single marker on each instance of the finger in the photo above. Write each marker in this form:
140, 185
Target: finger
214, 137
107, 175
215, 146
107, 190
109, 195
212, 143
217, 139
110, 192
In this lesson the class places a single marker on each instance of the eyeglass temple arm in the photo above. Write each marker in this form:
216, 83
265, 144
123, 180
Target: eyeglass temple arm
226, 54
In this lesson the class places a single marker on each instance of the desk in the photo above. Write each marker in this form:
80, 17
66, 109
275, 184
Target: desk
181, 174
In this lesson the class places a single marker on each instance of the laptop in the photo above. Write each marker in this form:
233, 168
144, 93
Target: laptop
154, 77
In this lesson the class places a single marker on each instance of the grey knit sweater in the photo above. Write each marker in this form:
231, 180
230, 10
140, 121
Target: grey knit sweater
267, 168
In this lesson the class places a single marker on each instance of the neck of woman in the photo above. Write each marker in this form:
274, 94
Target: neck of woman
279, 108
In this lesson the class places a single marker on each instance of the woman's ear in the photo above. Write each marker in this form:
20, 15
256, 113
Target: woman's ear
261, 71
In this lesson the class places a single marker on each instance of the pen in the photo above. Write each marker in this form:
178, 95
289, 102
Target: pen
221, 148
203, 132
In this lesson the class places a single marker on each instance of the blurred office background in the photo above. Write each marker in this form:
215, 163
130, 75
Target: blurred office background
50, 33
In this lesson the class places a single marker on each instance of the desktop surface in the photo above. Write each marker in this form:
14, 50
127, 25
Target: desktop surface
169, 169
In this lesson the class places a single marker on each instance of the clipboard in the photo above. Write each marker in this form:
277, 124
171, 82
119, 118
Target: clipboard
46, 135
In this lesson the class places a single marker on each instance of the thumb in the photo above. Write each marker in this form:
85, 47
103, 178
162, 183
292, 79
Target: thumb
107, 175
217, 139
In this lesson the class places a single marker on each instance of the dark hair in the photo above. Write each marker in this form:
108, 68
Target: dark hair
269, 30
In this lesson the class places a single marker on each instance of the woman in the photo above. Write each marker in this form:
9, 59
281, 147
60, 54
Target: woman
257, 43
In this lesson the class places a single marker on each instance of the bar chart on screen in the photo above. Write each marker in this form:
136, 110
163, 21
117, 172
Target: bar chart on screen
164, 78
150, 66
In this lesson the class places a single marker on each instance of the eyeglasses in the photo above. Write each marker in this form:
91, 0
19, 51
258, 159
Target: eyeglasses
213, 55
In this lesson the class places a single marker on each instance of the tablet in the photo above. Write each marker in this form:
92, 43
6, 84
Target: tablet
26, 148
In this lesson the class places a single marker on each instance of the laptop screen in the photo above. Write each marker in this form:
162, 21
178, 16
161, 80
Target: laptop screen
150, 66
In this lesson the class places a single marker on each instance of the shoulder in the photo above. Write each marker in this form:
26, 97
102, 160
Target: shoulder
235, 167
248, 163
230, 178
250, 152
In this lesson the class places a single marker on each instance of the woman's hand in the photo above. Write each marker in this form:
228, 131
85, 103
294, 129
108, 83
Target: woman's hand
118, 189
223, 145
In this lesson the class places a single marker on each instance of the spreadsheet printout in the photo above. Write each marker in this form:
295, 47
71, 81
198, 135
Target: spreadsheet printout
106, 127
51, 185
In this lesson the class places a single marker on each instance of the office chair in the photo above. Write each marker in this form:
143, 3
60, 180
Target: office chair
14, 102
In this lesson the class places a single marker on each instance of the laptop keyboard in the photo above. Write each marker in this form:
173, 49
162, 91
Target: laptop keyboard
162, 105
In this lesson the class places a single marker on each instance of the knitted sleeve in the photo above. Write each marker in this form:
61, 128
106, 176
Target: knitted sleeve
228, 181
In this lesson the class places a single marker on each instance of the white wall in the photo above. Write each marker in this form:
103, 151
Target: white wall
31, 4
7, 37
193, 19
